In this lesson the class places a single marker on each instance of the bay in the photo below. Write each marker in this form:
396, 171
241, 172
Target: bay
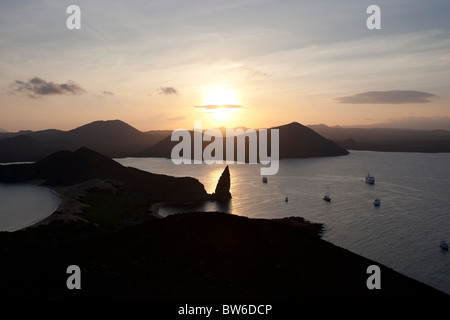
22, 205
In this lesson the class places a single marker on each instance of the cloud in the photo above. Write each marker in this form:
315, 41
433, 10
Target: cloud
39, 87
176, 118
107, 93
218, 106
167, 91
249, 71
388, 97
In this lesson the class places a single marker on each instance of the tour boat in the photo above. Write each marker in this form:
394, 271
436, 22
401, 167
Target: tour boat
377, 202
370, 179
326, 197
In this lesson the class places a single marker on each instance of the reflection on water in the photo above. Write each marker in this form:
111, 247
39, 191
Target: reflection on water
212, 178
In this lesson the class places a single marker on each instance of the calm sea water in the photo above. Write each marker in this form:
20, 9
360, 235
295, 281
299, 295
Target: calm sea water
22, 205
403, 233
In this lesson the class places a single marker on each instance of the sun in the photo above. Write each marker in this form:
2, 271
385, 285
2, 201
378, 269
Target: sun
221, 105
222, 114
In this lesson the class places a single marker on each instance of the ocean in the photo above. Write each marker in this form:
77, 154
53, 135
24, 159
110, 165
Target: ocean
403, 233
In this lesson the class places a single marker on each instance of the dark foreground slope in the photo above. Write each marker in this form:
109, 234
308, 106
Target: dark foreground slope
190, 256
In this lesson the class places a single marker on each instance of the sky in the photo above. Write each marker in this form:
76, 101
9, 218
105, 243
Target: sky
253, 63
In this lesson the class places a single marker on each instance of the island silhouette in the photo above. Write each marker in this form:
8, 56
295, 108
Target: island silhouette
117, 139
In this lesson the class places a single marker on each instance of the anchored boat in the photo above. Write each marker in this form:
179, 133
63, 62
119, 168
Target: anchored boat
370, 179
327, 197
377, 202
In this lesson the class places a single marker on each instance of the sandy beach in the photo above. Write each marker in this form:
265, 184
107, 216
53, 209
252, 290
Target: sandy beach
70, 205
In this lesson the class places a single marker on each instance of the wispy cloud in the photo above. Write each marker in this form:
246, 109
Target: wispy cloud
107, 93
388, 97
39, 87
250, 72
167, 91
254, 72
176, 118
218, 106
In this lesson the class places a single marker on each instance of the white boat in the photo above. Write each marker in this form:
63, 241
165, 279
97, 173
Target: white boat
377, 202
370, 179
444, 245
264, 179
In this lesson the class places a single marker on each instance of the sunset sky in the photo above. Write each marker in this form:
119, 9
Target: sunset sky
163, 64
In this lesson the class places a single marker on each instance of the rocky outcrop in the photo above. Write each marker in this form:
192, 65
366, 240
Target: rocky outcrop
222, 192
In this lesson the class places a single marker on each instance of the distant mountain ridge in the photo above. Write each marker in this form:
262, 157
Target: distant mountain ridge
113, 138
117, 139
387, 139
295, 141
21, 148
413, 123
